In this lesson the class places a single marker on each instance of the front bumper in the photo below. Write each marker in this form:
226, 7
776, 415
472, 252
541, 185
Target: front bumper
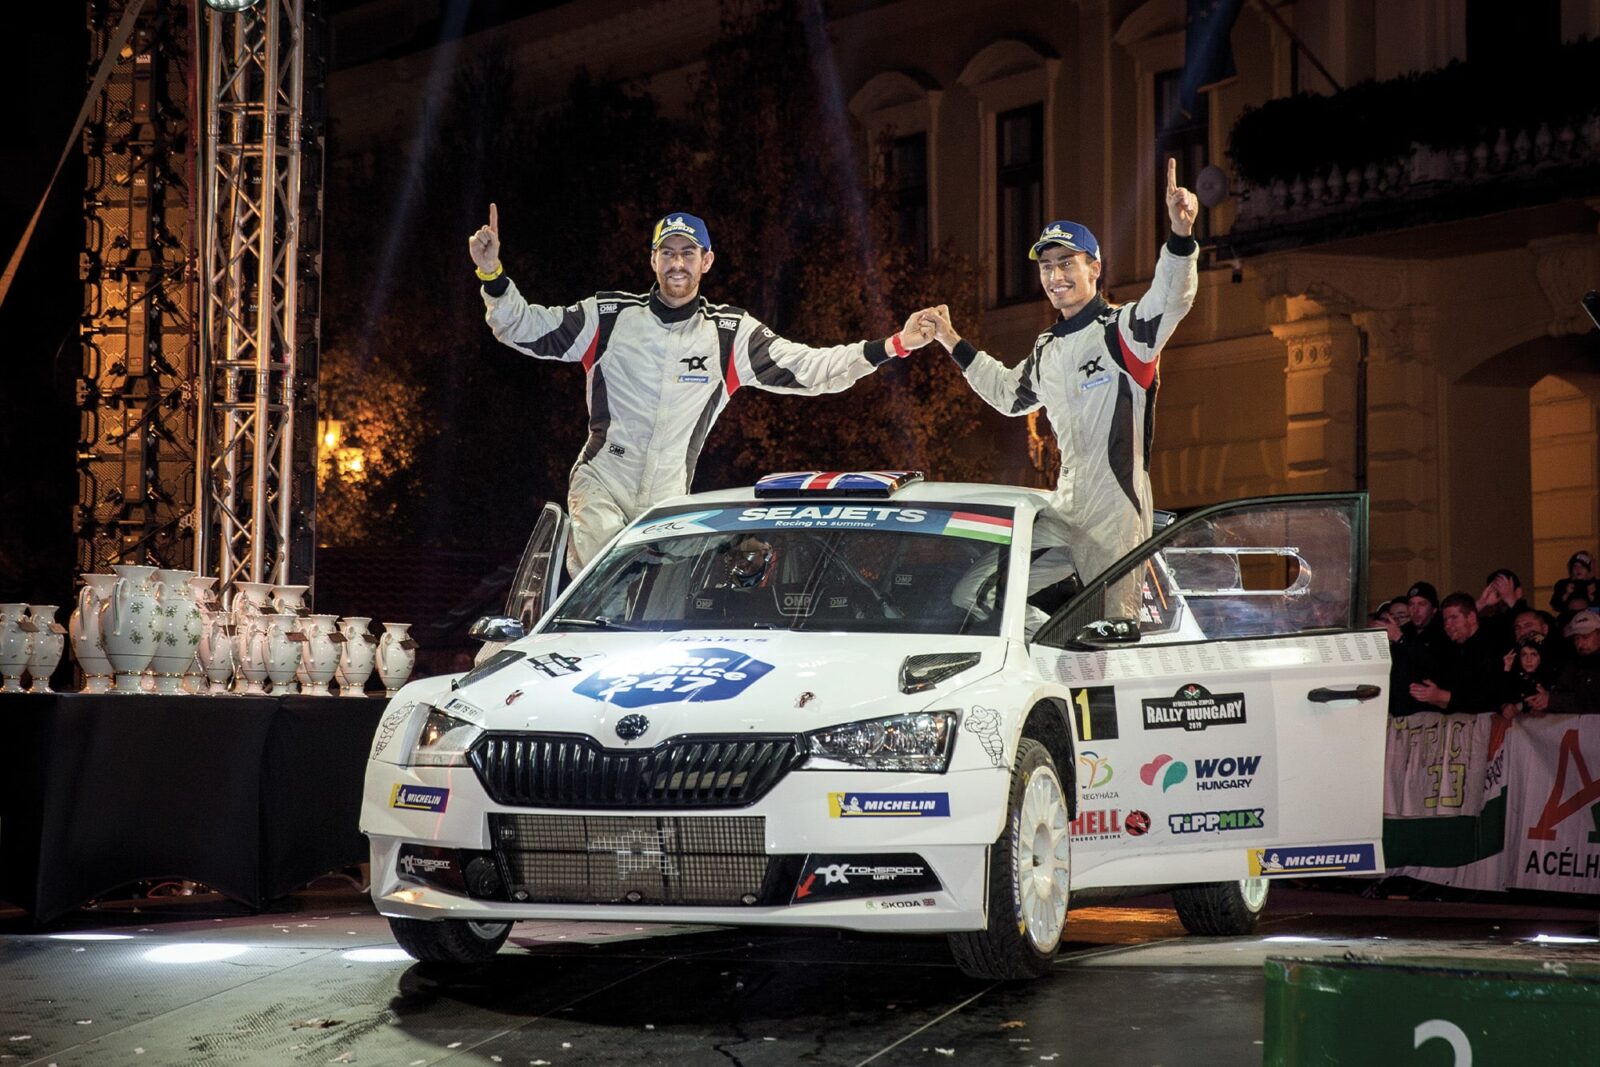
759, 850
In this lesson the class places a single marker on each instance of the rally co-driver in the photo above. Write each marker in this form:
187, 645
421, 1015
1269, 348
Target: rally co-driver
1095, 372
661, 367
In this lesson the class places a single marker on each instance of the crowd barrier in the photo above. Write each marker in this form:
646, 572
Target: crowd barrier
1479, 803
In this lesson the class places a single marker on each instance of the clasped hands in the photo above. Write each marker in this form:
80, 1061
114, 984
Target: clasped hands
928, 324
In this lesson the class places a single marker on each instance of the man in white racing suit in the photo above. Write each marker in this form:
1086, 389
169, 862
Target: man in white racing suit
661, 366
1095, 373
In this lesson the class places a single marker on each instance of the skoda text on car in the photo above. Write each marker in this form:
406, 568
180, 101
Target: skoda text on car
871, 702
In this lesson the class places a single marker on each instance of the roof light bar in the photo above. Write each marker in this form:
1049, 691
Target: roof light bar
836, 483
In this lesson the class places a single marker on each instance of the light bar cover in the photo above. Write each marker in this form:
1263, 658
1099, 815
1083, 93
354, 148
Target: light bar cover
835, 483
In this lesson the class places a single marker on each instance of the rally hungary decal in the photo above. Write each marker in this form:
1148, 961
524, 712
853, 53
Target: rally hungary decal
1193, 707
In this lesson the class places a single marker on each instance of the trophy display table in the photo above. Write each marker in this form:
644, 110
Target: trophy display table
251, 796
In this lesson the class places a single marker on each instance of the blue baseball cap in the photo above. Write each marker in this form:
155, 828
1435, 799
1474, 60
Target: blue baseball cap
1072, 235
681, 224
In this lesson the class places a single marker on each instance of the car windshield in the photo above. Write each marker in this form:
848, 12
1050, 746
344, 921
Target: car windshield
866, 568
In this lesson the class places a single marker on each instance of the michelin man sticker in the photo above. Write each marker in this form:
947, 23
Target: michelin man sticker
984, 724
673, 676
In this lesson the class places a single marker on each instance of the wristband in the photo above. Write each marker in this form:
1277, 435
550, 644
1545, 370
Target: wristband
489, 276
897, 347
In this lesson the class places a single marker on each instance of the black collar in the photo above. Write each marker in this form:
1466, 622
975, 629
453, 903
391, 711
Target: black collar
1081, 318
671, 314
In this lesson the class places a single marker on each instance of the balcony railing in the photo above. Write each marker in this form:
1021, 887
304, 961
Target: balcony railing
1446, 144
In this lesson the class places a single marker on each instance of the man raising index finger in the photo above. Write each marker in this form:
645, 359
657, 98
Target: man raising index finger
661, 366
1095, 372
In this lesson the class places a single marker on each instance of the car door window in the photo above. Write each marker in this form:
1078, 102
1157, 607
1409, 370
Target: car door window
1253, 568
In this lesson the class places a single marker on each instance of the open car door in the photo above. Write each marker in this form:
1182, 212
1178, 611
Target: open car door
1234, 730
534, 588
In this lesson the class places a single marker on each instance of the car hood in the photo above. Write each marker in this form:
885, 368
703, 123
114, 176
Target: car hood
702, 682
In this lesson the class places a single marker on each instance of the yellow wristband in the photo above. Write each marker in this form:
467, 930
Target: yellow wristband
490, 276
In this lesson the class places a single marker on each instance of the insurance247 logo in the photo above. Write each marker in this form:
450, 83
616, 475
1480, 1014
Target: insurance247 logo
676, 677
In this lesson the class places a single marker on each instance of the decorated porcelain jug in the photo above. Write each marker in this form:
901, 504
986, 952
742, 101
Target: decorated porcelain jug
356, 656
319, 655
49, 638
84, 629
176, 630
16, 645
283, 649
397, 655
125, 625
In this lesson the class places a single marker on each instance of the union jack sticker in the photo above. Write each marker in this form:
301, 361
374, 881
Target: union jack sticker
836, 483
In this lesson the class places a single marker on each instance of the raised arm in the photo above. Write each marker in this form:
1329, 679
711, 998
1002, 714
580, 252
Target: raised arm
565, 334
1145, 326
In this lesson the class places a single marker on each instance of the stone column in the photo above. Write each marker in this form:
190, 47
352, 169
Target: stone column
1402, 450
1319, 403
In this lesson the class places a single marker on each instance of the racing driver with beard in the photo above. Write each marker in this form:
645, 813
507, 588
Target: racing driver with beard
661, 367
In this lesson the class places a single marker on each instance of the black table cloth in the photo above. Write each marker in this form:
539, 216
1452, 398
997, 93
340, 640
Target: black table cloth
252, 796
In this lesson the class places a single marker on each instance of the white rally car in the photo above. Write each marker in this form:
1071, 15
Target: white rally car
871, 702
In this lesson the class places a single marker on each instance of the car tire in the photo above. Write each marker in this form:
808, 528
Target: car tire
1030, 874
1221, 909
449, 940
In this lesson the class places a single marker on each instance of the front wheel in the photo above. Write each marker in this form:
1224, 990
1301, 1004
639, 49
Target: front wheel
449, 940
1221, 909
1030, 876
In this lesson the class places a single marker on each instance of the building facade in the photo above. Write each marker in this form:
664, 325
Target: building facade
1408, 326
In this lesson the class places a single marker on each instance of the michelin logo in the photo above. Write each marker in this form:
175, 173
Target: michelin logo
888, 805
1315, 859
419, 798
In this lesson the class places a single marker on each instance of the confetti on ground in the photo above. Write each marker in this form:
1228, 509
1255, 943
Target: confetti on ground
453, 1044
344, 1057
649, 1026
317, 1024
566, 1044
1013, 1024
138, 1052
23, 1037
85, 1022
1052, 1056
945, 1051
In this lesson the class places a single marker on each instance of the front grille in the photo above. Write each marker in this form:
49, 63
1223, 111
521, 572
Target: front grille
632, 859
571, 771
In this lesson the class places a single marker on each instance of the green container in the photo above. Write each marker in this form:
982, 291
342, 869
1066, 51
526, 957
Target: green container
1432, 1012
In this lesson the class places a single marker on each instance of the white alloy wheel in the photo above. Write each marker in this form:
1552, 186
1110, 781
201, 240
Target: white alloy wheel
1044, 858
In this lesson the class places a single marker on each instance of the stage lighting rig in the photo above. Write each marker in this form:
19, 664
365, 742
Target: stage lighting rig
231, 7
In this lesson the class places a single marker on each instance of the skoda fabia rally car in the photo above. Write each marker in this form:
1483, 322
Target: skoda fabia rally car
872, 702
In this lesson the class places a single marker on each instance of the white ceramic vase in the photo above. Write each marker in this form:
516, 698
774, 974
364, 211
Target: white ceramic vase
250, 655
216, 653
176, 630
125, 625
397, 656
16, 645
202, 589
319, 656
48, 641
283, 649
290, 600
356, 657
84, 628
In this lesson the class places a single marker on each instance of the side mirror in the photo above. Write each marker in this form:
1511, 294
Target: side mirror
497, 628
1107, 633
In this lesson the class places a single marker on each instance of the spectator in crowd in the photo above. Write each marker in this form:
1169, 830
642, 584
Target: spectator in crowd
1424, 627
1470, 670
1400, 610
1535, 623
1580, 582
1498, 604
1577, 690
1527, 671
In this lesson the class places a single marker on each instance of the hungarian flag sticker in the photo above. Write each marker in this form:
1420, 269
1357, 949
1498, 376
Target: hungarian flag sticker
978, 527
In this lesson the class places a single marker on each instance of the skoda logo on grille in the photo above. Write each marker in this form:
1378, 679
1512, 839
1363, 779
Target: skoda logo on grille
632, 726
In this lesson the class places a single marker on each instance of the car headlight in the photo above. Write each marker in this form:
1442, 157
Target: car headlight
918, 742
444, 741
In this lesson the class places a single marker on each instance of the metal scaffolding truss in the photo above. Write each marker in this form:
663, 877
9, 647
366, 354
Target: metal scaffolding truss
249, 228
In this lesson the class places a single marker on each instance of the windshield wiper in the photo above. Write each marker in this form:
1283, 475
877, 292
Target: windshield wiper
599, 622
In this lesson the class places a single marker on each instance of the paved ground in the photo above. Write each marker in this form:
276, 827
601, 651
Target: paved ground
326, 985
